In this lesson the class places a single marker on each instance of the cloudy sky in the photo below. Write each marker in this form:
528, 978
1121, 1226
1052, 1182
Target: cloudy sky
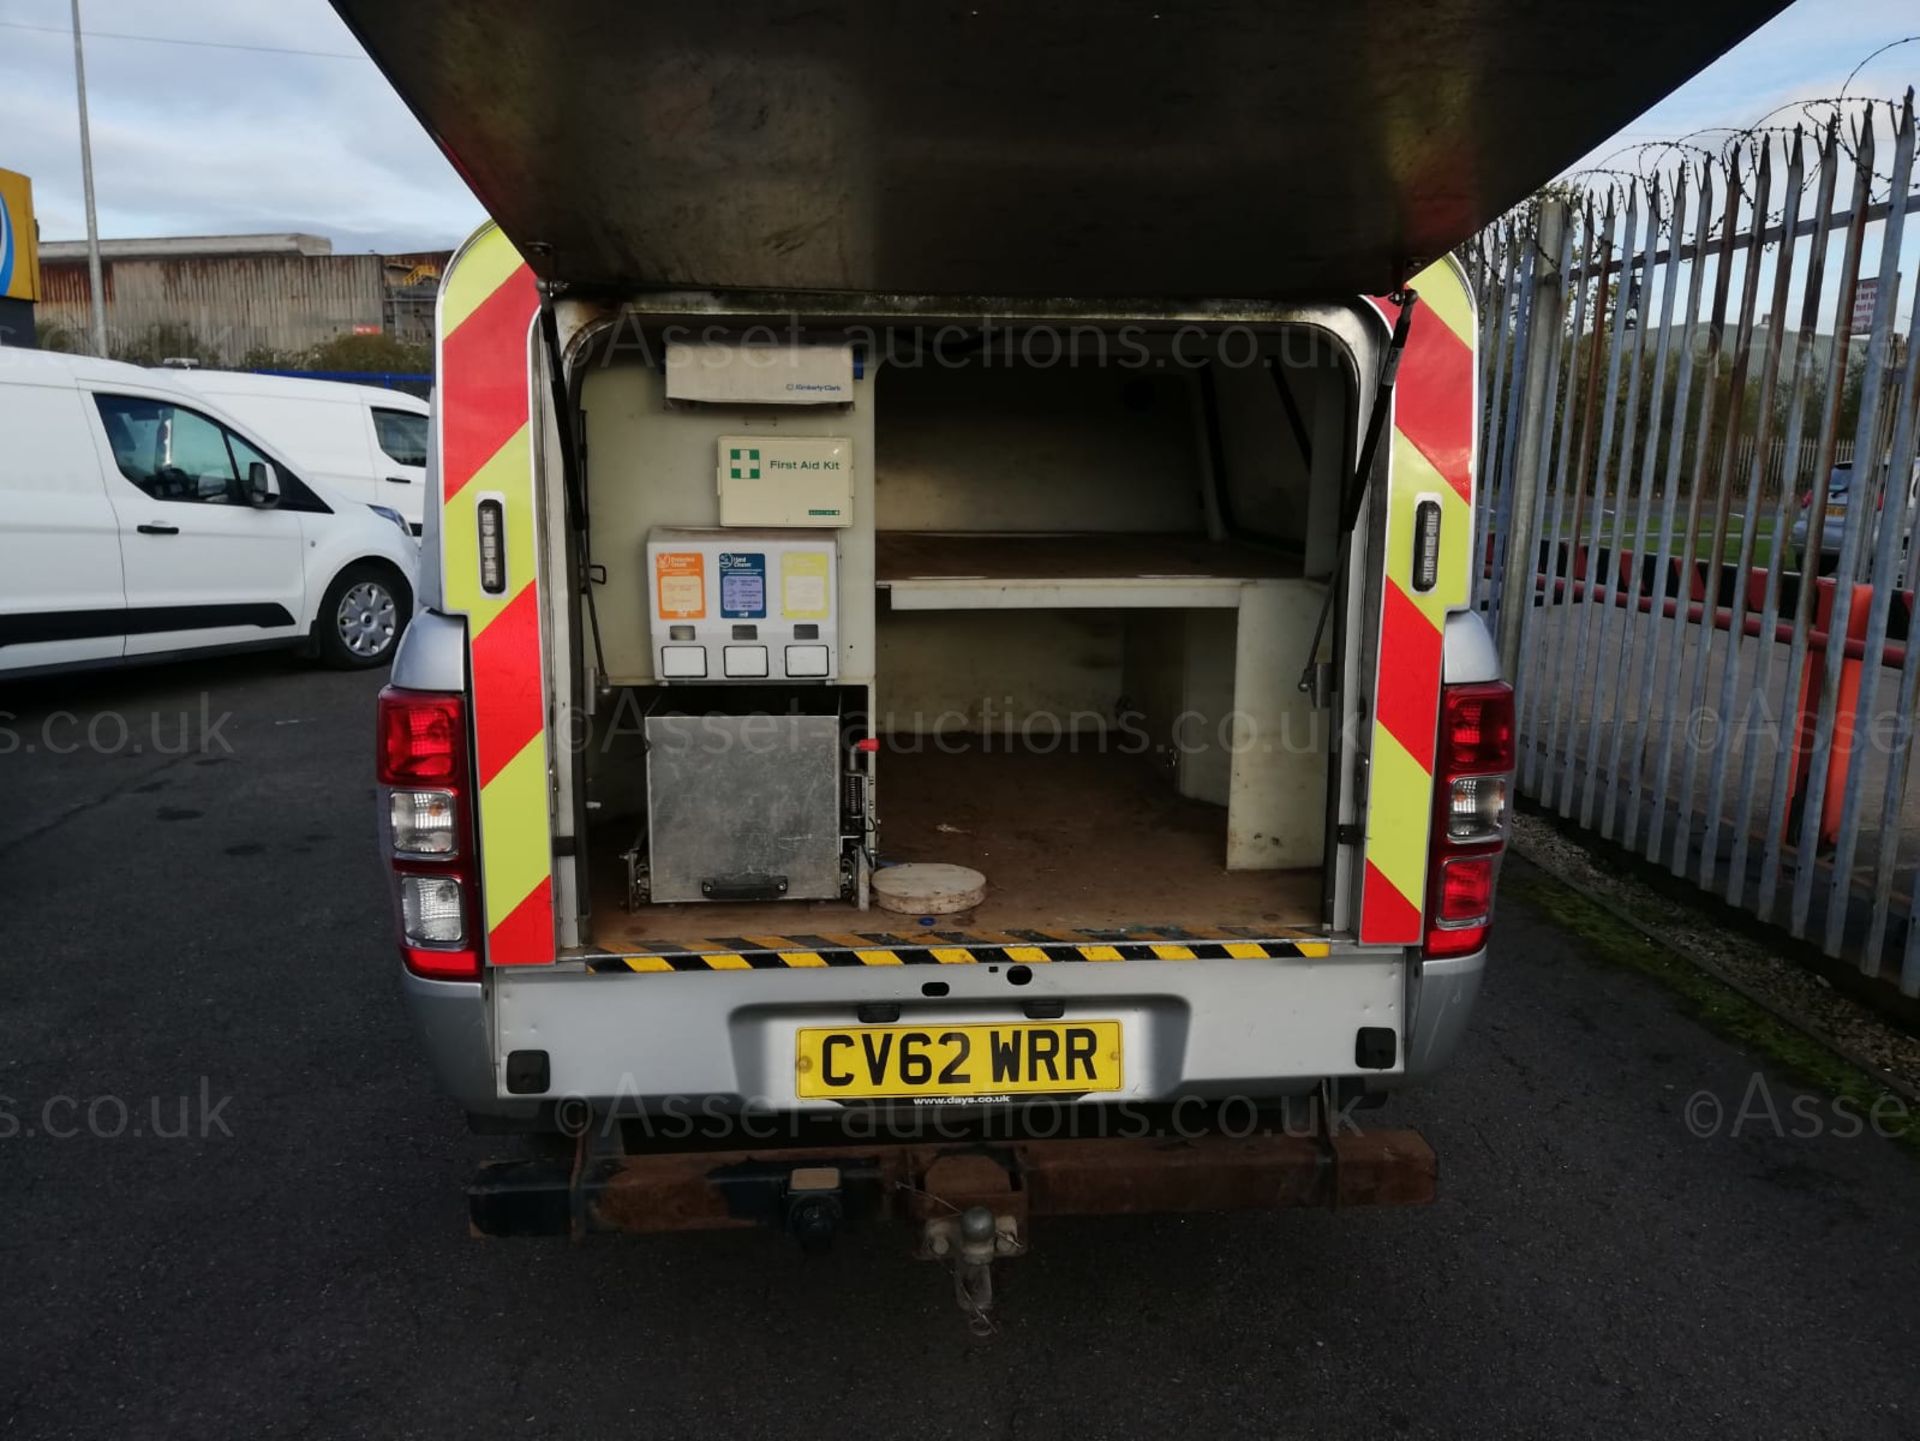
1806, 52
198, 140
192, 138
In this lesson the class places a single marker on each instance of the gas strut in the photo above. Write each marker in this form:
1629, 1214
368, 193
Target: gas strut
1355, 492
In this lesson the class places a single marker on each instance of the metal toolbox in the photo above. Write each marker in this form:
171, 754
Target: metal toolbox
743, 807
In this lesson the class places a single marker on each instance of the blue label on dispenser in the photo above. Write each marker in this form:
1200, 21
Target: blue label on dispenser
743, 585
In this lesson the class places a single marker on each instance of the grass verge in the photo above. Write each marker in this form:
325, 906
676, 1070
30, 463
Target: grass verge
1712, 1002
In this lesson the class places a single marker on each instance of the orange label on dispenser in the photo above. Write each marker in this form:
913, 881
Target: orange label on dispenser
680, 584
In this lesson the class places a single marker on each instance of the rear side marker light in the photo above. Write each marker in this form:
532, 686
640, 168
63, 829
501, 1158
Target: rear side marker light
491, 517
1426, 545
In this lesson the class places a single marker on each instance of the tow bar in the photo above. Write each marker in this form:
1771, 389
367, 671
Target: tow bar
971, 1203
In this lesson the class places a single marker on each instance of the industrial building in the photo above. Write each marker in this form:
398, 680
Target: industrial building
239, 298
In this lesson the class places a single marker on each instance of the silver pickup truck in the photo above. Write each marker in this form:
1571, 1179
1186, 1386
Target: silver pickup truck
946, 685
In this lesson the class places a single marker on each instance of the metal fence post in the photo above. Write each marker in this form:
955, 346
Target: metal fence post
1738, 662
1526, 480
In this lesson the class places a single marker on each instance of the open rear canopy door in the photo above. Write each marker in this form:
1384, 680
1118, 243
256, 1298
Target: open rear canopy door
1288, 149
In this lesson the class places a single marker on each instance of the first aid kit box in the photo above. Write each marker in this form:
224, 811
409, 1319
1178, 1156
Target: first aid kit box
743, 605
790, 480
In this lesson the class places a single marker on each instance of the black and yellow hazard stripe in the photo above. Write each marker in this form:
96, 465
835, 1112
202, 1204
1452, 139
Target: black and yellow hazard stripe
952, 948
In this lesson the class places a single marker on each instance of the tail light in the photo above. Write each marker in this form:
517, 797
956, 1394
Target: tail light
1473, 771
429, 833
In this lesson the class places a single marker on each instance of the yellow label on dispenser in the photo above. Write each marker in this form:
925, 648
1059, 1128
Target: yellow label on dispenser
803, 586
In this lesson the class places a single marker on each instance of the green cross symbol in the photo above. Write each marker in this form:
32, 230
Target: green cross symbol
743, 460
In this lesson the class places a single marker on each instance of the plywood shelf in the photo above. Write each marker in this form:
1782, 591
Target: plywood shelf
947, 571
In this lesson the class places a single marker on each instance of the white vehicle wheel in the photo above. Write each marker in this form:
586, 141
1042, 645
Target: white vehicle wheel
367, 619
366, 608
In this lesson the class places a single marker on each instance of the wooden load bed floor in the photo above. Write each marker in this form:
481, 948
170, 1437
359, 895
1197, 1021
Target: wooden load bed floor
1066, 842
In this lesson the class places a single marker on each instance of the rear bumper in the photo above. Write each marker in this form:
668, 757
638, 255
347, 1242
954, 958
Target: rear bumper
1210, 1028
1443, 999
652, 1043
1832, 532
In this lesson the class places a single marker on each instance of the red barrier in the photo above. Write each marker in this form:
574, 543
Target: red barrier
1853, 651
1893, 653
1806, 710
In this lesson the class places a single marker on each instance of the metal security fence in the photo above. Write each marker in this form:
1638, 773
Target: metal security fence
1697, 528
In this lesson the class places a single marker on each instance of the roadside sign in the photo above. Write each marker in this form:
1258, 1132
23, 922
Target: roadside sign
19, 239
1865, 293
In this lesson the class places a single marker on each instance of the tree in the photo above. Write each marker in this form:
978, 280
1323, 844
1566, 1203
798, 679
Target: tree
167, 340
370, 353
265, 357
51, 335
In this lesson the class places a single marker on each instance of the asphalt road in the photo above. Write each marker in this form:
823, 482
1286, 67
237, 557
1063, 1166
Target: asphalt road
211, 924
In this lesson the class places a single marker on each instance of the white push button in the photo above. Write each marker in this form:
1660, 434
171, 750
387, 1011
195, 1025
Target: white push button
678, 662
806, 660
746, 660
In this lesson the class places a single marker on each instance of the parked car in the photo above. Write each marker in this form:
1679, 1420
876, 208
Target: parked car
139, 521
365, 441
1833, 524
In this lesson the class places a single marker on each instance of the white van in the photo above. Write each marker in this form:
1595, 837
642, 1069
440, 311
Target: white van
365, 441
139, 521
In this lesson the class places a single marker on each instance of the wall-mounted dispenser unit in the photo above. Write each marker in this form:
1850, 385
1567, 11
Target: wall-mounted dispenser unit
745, 605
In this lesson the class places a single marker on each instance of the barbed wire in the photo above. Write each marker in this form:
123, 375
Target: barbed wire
1873, 55
1831, 129
1744, 145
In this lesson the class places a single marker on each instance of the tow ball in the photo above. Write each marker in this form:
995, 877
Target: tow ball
971, 1241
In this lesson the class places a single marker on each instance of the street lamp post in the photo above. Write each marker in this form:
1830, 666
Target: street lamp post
95, 285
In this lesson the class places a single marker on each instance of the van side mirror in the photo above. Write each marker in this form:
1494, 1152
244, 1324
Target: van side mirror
263, 487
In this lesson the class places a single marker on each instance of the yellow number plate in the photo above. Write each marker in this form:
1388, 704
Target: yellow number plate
1009, 1059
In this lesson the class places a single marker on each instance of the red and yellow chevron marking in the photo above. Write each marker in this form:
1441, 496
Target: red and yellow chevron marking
1433, 439
487, 310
